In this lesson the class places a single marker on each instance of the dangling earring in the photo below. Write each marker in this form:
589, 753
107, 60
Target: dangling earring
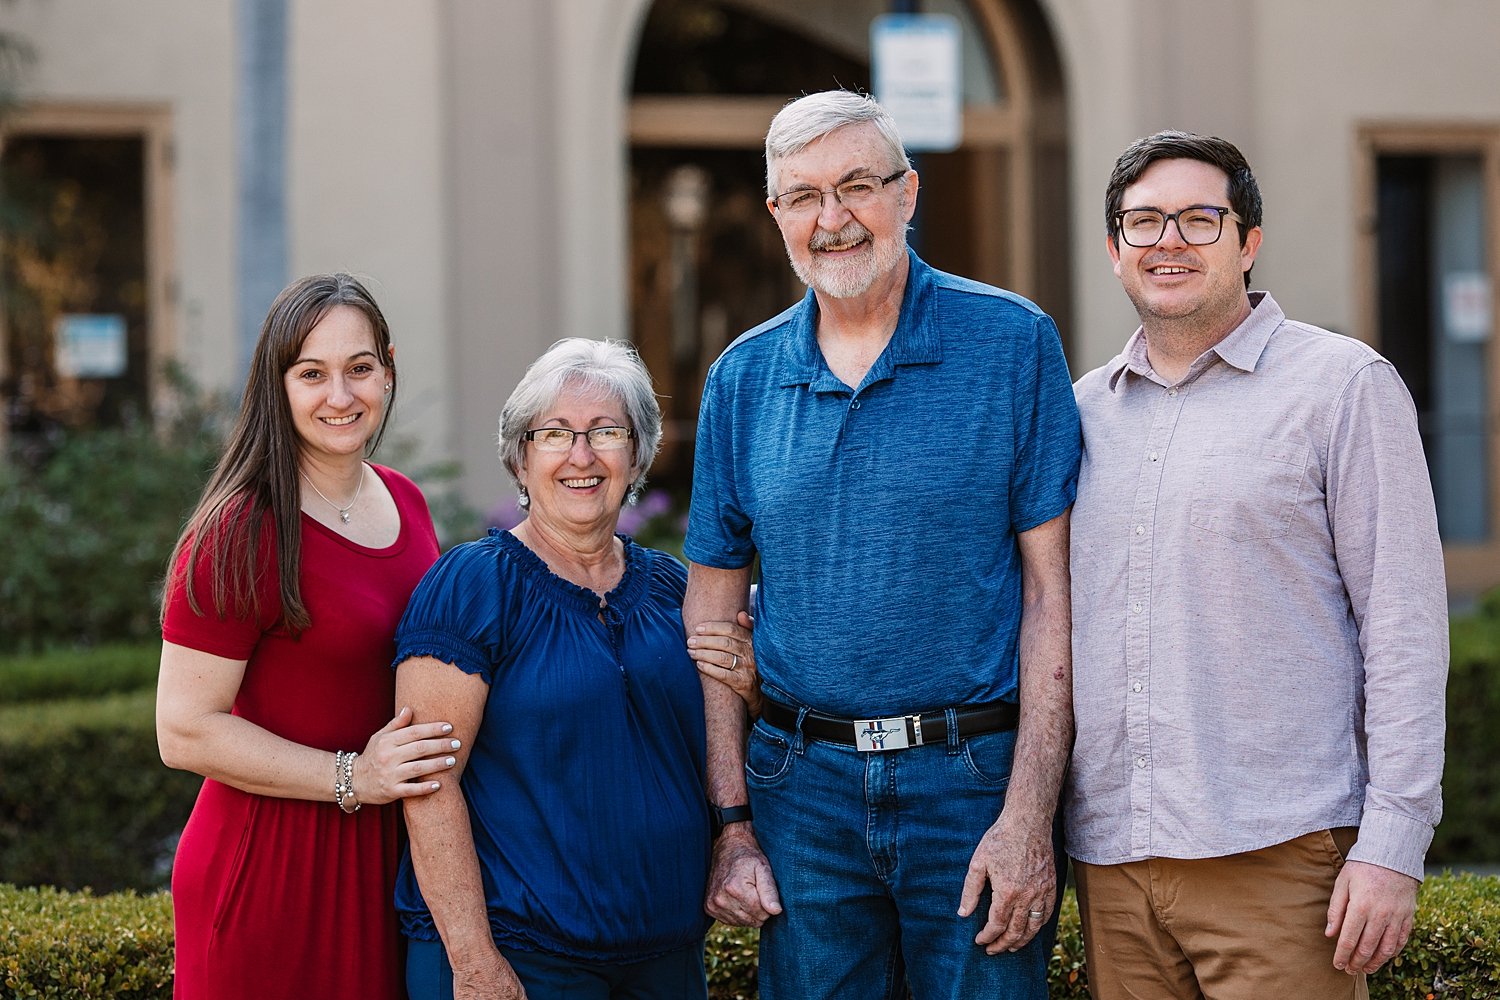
633, 495
523, 501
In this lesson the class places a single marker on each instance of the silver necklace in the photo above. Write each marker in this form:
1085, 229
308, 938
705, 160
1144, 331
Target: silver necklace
343, 511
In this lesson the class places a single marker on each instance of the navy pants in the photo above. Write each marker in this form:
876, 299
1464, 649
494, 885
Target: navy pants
677, 975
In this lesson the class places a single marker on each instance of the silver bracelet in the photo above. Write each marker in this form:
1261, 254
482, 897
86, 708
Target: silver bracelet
343, 781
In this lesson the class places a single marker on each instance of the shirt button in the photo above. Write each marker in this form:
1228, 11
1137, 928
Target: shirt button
1153, 456
1136, 687
1171, 392
1140, 529
854, 405
1140, 762
1136, 607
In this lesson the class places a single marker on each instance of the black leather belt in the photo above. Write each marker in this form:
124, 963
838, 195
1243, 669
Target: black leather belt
895, 732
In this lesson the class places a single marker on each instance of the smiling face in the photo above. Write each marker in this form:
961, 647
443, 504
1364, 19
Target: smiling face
336, 387
834, 252
579, 490
1173, 282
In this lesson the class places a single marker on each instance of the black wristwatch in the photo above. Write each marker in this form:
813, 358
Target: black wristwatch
721, 816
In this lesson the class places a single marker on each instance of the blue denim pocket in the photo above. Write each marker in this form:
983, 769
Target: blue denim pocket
769, 756
989, 757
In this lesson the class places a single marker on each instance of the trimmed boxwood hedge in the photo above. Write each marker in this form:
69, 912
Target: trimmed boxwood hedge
92, 672
56, 944
85, 800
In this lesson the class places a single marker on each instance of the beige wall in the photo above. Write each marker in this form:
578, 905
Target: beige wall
178, 54
471, 157
365, 150
367, 180
1290, 82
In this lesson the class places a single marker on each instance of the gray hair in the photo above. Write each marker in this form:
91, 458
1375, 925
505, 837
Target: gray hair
808, 119
608, 367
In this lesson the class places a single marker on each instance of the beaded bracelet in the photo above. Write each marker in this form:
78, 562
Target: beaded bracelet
343, 780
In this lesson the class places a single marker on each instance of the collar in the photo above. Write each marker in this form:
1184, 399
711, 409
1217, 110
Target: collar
914, 342
1242, 348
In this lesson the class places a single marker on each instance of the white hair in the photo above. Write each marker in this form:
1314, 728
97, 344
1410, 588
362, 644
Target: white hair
808, 119
608, 367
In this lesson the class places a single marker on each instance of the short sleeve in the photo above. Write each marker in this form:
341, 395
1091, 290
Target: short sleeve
454, 615
718, 532
668, 577
1048, 439
234, 634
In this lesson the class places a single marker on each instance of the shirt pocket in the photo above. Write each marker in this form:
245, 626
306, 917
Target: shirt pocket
1248, 490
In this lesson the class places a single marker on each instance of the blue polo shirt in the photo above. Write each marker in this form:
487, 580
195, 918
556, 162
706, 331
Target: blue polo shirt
885, 518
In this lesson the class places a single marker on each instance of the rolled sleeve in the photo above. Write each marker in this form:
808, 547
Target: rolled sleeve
1385, 532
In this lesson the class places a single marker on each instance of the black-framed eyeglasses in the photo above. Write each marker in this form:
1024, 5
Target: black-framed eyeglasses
1200, 225
562, 438
853, 194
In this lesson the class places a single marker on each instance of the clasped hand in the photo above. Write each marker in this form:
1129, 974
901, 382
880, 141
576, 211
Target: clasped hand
400, 759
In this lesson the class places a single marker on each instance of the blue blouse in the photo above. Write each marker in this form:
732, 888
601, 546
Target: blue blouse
585, 783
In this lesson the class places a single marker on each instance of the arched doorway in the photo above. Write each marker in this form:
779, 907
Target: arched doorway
706, 261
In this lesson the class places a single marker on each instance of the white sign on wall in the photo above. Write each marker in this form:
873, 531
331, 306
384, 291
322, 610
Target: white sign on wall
1466, 306
90, 345
916, 70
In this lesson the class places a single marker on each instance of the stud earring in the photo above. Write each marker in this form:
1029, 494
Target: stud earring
387, 387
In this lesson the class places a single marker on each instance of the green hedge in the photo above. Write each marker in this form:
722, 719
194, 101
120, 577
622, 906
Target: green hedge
1470, 830
84, 798
75, 945
78, 673
81, 947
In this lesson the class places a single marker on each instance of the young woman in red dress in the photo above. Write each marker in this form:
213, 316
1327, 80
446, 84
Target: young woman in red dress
283, 596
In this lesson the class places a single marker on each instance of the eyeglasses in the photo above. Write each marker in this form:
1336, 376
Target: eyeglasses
853, 194
562, 438
1199, 225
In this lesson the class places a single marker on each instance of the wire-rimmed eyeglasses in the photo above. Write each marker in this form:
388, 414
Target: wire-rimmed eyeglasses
1200, 225
562, 438
853, 194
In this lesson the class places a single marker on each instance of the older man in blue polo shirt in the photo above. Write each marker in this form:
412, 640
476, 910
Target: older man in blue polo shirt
900, 451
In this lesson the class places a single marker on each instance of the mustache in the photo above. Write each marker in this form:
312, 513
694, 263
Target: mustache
1151, 260
852, 232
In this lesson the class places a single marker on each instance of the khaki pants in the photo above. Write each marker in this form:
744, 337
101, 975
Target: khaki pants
1243, 927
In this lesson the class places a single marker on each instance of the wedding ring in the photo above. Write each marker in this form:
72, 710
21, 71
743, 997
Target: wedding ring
734, 664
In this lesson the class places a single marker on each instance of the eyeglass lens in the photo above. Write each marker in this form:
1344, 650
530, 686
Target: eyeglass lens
561, 438
1199, 225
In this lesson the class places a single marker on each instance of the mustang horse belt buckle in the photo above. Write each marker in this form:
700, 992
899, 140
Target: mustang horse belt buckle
881, 734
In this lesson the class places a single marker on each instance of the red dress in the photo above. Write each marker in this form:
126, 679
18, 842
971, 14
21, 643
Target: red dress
281, 897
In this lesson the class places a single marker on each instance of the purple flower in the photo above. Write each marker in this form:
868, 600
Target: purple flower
504, 515
653, 504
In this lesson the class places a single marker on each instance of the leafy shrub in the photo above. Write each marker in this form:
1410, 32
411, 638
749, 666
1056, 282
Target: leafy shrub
89, 524
74, 945
1470, 830
78, 673
55, 944
88, 527
85, 800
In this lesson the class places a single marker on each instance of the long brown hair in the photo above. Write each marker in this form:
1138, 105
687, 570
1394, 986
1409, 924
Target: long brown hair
258, 473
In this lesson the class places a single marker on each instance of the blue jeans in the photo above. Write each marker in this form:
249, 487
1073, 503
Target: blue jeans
869, 851
677, 975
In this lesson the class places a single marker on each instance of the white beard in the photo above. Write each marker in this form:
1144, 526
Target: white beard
849, 279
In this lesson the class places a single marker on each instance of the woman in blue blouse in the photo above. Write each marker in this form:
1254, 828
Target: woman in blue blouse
570, 857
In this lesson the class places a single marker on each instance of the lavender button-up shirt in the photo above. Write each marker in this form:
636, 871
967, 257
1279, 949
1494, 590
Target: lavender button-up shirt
1260, 639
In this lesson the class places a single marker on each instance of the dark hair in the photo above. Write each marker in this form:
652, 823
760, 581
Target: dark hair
257, 476
1244, 193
